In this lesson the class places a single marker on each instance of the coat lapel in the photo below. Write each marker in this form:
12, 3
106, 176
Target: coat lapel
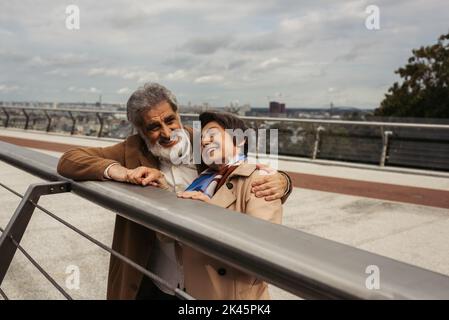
225, 197
137, 154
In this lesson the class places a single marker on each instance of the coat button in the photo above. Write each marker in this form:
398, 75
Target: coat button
229, 185
221, 271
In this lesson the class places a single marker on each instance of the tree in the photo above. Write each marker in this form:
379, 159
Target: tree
424, 91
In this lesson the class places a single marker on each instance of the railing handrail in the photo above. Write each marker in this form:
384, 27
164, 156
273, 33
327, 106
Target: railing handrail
301, 263
274, 119
65, 110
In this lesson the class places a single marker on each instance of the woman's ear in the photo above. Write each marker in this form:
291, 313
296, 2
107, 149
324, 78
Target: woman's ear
242, 143
241, 146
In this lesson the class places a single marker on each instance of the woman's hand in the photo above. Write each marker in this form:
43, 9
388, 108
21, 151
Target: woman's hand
195, 195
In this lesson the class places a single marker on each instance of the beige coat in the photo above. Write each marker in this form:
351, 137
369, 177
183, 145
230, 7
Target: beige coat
208, 278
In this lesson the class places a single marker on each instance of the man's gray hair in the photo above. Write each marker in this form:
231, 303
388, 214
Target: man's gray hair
145, 98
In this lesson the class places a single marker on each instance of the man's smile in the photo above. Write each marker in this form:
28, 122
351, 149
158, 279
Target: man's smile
168, 143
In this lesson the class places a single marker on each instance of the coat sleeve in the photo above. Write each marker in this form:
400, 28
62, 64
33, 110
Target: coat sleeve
260, 208
289, 187
90, 163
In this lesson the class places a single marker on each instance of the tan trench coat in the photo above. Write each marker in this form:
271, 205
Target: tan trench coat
208, 278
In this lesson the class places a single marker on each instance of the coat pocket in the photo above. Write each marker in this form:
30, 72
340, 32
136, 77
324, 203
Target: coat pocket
254, 290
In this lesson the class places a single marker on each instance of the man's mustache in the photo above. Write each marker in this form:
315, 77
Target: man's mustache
167, 140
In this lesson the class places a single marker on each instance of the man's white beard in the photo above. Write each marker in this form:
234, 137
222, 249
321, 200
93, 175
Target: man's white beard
177, 154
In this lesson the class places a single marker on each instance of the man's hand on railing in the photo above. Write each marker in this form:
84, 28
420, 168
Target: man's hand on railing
140, 175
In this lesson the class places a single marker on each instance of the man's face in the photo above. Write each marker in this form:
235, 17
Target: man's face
217, 144
159, 122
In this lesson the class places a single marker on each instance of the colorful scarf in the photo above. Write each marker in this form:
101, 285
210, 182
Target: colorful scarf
211, 180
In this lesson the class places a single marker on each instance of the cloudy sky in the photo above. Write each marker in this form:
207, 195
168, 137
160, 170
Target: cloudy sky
306, 53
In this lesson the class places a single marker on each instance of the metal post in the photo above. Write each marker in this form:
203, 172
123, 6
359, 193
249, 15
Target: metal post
385, 141
7, 117
100, 119
22, 216
27, 119
72, 131
317, 142
49, 120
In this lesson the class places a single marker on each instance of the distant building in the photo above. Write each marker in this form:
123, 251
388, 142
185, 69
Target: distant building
277, 108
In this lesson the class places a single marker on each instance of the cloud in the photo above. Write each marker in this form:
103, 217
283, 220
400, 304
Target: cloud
207, 45
8, 55
6, 88
180, 61
57, 72
263, 42
135, 73
270, 62
237, 64
62, 60
125, 91
84, 90
5, 32
177, 75
209, 79
355, 52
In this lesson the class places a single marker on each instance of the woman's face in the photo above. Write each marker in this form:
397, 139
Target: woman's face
217, 145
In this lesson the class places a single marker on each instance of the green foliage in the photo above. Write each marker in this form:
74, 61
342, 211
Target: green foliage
424, 91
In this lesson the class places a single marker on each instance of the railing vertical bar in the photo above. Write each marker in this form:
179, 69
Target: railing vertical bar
49, 121
41, 270
385, 144
100, 119
316, 145
7, 117
3, 294
72, 131
27, 119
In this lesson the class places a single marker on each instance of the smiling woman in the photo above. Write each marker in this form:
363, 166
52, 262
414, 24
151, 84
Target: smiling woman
226, 183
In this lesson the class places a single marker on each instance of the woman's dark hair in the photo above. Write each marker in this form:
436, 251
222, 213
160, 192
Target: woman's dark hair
226, 121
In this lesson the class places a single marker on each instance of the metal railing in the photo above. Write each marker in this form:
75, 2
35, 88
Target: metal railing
411, 145
303, 264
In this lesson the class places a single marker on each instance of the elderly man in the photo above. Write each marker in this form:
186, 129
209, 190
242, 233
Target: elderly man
143, 159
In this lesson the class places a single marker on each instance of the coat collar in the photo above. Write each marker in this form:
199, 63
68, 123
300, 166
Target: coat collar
225, 196
245, 170
136, 150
